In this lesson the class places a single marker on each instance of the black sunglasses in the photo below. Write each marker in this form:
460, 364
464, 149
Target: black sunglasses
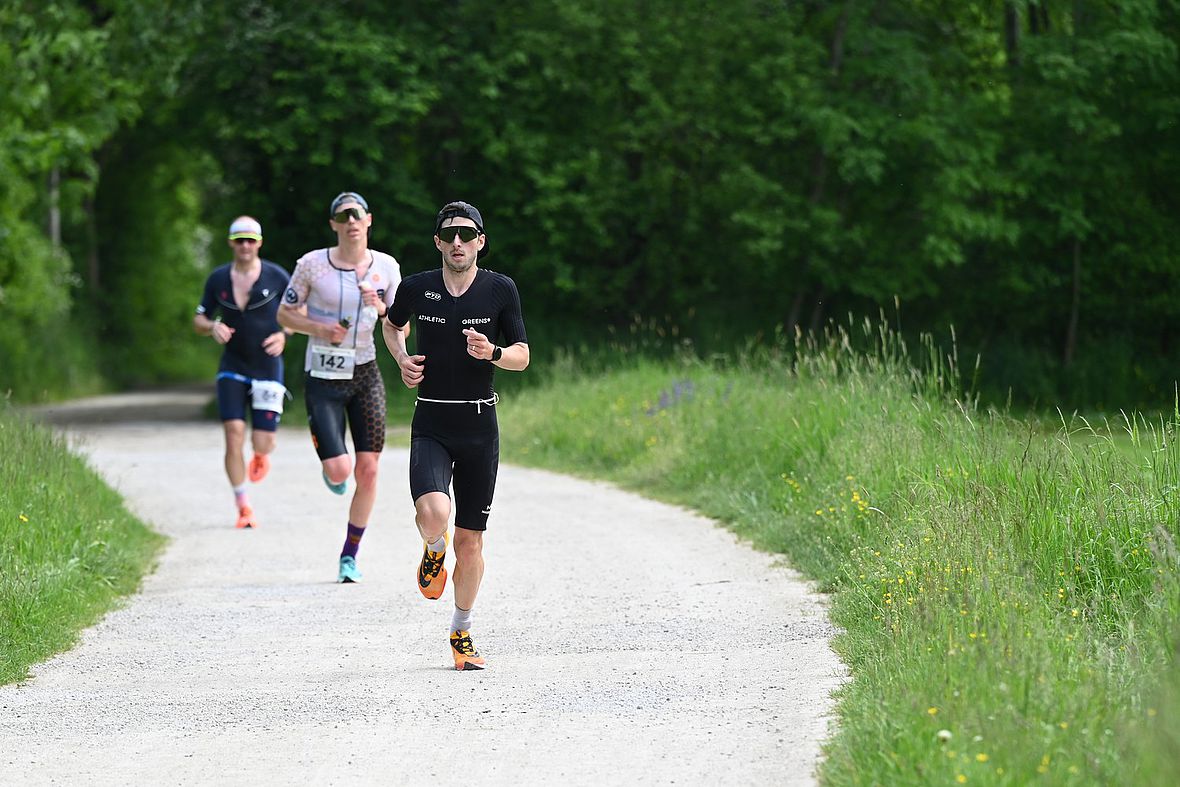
245, 240
343, 216
466, 234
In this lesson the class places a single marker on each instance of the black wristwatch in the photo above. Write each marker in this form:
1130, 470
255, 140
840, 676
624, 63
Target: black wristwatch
496, 353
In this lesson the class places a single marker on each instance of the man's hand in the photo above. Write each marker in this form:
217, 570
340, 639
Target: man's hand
221, 332
478, 345
413, 369
275, 343
334, 332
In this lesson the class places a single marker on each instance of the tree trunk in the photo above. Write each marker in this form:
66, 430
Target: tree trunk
819, 167
1012, 33
817, 312
92, 269
1071, 333
53, 220
793, 315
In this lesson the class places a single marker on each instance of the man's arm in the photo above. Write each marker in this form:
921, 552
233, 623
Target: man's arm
220, 332
294, 318
515, 357
411, 366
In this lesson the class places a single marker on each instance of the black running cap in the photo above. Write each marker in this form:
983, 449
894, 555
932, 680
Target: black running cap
463, 210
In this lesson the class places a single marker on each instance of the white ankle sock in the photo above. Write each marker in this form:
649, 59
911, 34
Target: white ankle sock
461, 620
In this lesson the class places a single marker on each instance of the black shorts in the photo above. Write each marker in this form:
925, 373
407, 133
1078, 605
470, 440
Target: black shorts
361, 399
470, 458
234, 399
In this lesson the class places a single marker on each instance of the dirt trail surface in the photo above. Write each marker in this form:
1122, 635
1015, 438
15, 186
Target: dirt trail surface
629, 642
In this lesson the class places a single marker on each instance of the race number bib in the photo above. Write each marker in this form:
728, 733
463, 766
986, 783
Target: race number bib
267, 395
332, 363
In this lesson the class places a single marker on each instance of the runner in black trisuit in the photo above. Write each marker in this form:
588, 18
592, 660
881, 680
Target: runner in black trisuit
460, 312
238, 309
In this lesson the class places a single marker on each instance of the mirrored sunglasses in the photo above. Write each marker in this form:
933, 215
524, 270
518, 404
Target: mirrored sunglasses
466, 234
342, 217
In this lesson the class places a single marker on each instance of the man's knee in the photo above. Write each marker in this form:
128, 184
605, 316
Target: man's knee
468, 544
366, 470
338, 468
235, 434
433, 509
264, 442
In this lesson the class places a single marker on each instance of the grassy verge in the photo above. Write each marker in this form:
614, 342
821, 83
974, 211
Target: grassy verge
1009, 596
68, 547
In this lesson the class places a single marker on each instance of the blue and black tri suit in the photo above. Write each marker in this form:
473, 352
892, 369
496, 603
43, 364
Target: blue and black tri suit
455, 430
244, 359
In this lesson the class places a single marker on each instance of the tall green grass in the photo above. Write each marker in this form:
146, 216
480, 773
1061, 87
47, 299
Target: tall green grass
1009, 595
68, 547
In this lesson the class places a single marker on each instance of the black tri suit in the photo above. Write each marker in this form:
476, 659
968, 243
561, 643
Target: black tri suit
455, 434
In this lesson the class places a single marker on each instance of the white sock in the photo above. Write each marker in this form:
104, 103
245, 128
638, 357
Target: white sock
439, 544
461, 620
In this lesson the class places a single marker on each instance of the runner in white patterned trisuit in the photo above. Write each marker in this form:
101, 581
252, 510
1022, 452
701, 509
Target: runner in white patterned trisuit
238, 309
461, 311
336, 297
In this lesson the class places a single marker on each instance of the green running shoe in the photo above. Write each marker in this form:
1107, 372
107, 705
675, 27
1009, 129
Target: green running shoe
348, 572
339, 488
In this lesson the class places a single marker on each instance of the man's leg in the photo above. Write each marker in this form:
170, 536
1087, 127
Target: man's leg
235, 439
366, 420
262, 440
468, 566
432, 513
337, 469
468, 574
235, 470
365, 495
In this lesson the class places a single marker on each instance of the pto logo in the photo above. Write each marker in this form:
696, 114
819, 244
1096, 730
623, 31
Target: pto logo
291, 296
434, 296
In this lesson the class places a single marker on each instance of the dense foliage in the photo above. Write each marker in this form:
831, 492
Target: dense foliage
722, 170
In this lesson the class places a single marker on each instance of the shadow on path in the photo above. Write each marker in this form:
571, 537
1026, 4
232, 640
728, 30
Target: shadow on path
182, 403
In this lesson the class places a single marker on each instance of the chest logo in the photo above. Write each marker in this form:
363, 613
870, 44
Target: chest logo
434, 296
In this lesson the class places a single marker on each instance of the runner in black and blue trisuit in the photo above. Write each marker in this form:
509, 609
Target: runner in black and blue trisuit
238, 309
461, 312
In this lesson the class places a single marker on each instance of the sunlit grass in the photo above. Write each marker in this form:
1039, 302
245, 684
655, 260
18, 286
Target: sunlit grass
68, 547
1013, 587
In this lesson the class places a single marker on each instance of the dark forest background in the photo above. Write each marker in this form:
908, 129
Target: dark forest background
712, 174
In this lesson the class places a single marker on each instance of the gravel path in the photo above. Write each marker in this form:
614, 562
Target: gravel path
242, 662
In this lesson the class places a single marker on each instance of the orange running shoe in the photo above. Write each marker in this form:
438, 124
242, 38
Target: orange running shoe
466, 656
246, 518
432, 575
259, 467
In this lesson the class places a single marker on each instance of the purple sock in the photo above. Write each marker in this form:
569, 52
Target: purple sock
353, 542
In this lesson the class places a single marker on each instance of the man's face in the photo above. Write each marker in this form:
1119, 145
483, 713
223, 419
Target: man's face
245, 249
459, 254
351, 222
